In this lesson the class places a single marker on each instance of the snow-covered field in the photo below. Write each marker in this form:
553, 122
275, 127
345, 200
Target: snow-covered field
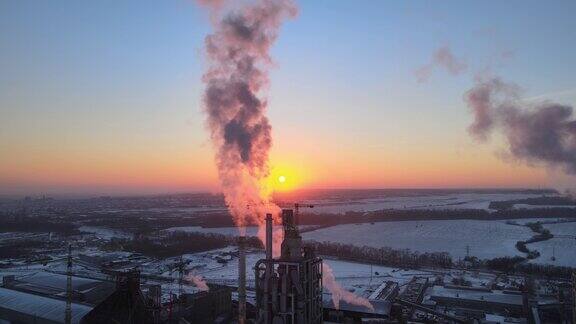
486, 239
6, 237
563, 249
231, 231
524, 221
105, 232
363, 279
449, 201
524, 206
562, 246
559, 229
353, 276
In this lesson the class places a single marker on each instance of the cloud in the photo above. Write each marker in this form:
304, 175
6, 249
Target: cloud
442, 58
536, 133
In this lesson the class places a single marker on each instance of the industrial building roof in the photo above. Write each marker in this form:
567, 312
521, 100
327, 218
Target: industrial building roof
477, 295
58, 281
40, 307
381, 307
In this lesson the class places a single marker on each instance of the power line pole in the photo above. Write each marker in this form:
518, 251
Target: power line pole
181, 270
68, 314
574, 297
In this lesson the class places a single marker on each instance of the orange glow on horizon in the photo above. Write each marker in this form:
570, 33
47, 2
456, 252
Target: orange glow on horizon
301, 167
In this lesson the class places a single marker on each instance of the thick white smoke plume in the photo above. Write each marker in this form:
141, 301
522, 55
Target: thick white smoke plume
338, 292
198, 281
238, 61
536, 133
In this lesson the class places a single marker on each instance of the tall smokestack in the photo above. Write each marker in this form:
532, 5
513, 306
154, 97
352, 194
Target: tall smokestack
268, 273
242, 280
269, 236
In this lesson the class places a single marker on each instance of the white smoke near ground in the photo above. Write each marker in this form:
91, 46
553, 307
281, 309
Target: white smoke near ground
536, 133
198, 281
237, 53
338, 292
442, 58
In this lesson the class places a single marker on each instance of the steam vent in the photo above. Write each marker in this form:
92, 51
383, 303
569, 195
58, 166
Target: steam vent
288, 288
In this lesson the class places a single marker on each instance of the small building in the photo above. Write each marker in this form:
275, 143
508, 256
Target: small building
127, 304
348, 312
207, 306
388, 290
489, 301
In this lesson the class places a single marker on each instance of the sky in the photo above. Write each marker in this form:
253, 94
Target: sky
105, 97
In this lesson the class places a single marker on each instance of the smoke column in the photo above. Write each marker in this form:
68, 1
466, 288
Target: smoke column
198, 281
338, 292
540, 133
238, 61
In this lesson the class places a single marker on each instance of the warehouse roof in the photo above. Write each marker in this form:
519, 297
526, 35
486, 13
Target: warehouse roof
476, 295
38, 306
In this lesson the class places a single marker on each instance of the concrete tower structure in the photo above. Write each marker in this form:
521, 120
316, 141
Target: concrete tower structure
288, 288
241, 280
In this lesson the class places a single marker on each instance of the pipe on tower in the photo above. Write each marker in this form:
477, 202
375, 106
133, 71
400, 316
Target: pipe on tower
269, 236
268, 273
241, 280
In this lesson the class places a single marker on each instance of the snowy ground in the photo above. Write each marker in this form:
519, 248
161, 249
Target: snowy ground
105, 232
486, 239
524, 221
359, 278
524, 206
455, 200
563, 249
232, 231
562, 229
221, 266
7, 237
562, 246
450, 201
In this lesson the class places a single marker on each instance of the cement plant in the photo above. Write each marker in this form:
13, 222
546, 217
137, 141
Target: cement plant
179, 259
287, 162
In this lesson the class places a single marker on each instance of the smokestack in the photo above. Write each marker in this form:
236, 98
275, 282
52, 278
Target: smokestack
242, 280
268, 273
269, 236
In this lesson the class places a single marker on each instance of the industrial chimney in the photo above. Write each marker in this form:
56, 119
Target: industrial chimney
242, 280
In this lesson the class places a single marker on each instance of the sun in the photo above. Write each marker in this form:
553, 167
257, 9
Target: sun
281, 179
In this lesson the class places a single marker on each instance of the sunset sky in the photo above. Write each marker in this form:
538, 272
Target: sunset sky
104, 97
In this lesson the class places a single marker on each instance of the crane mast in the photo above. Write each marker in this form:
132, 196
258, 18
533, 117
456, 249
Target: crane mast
68, 314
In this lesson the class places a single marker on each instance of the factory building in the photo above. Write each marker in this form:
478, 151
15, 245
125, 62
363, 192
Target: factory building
84, 290
21, 307
288, 288
204, 307
127, 304
478, 299
349, 313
